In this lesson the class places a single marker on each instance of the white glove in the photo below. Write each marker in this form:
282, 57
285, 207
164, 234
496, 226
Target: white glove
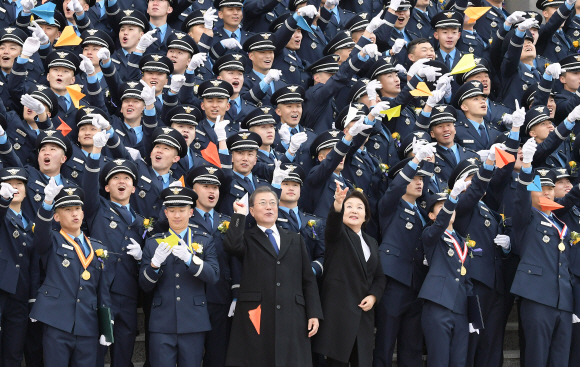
134, 153
175, 183
296, 141
2, 132
460, 186
554, 70
177, 82
570, 2
575, 319
359, 127
230, 44
220, 129
104, 54
7, 191
503, 241
30, 46
180, 251
518, 117
437, 95
400, 68
51, 190
273, 75
425, 262
483, 154
381, 106
146, 40
492, 151
448, 90
372, 88
331, 3
395, 4
75, 6
419, 64
197, 60
99, 121
86, 65
429, 72
309, 11
103, 341
398, 46
209, 18
529, 149
527, 24
284, 133
472, 329
35, 105
372, 50
232, 309
425, 151
27, 5
134, 249
161, 253
574, 115
376, 22
100, 139
280, 174
148, 93
33, 320
516, 17
38, 32
443, 81
508, 120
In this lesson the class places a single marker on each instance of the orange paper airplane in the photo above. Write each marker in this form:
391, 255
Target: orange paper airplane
68, 38
255, 317
474, 12
211, 155
182, 181
422, 90
63, 127
502, 158
548, 204
75, 94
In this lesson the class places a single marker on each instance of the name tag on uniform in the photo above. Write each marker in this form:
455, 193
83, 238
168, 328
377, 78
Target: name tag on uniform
68, 247
358, 159
484, 208
468, 141
470, 36
292, 57
447, 240
194, 225
145, 179
116, 61
39, 183
3, 10
21, 132
492, 13
408, 211
200, 132
78, 160
119, 132
529, 75
282, 220
547, 224
338, 182
239, 187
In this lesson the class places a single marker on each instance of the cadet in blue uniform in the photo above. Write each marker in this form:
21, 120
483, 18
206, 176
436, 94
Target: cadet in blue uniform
471, 42
314, 42
215, 96
114, 221
401, 252
158, 14
75, 283
447, 286
15, 288
448, 32
333, 18
177, 275
552, 42
547, 305
260, 14
471, 129
396, 27
342, 45
420, 19
567, 98
488, 24
262, 123
232, 13
222, 296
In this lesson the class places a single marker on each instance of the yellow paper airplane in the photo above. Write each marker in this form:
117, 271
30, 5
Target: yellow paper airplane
466, 63
68, 38
172, 240
422, 90
392, 112
474, 12
75, 94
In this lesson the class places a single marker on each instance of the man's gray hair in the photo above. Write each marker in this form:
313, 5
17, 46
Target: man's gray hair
261, 190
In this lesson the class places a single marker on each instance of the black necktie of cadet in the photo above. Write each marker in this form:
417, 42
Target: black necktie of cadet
536, 74
450, 155
249, 185
419, 214
293, 131
85, 249
208, 220
19, 220
448, 61
272, 239
132, 136
294, 219
233, 108
368, 159
483, 134
125, 214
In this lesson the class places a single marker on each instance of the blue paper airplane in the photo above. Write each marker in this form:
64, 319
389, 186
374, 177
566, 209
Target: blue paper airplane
303, 25
45, 11
536, 185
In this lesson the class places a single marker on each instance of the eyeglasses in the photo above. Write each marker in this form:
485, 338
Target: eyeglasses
264, 203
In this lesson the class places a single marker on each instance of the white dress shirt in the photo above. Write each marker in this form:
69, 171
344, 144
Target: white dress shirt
366, 249
275, 233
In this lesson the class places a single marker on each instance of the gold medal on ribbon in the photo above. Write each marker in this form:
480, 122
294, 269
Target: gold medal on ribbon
85, 261
86, 275
561, 247
463, 270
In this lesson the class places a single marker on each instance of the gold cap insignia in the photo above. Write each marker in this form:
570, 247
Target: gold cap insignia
13, 171
244, 135
363, 15
119, 162
211, 170
62, 55
265, 109
292, 88
50, 132
176, 190
41, 87
92, 31
179, 35
70, 190
266, 35
132, 84
472, 160
334, 133
237, 57
419, 134
167, 130
9, 29
215, 83
476, 84
562, 171
440, 108
347, 33
156, 57
187, 109
358, 106
449, 14
88, 110
543, 172
128, 12
540, 109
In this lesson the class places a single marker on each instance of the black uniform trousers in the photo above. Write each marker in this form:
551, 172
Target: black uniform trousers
66, 349
165, 353
13, 329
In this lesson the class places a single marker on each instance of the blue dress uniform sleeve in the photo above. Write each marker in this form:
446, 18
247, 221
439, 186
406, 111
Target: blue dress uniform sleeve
547, 30
96, 95
148, 276
385, 31
90, 186
113, 16
324, 18
432, 233
511, 60
9, 156
497, 38
470, 197
549, 146
16, 81
522, 214
501, 178
84, 23
543, 93
284, 34
43, 226
397, 188
170, 100
133, 73
186, 95
4, 205
208, 271
320, 173
234, 243
251, 92
565, 103
256, 8
114, 81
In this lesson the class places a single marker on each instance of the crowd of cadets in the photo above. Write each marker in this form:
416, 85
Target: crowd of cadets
229, 96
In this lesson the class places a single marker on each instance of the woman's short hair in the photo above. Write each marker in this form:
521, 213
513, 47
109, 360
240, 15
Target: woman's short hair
359, 195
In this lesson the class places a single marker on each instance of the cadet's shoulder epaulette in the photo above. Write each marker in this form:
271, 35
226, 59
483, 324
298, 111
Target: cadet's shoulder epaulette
224, 217
201, 233
159, 235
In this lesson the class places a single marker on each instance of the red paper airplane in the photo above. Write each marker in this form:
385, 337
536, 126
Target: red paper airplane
63, 128
503, 158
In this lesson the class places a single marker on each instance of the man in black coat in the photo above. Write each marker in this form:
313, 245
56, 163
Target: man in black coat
278, 307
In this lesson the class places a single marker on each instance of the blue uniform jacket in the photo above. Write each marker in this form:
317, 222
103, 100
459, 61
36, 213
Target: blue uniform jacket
468, 136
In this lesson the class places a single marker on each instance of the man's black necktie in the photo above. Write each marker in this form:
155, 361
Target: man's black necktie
450, 155
85, 249
293, 131
448, 61
132, 136
294, 220
249, 184
483, 134
19, 220
208, 220
125, 214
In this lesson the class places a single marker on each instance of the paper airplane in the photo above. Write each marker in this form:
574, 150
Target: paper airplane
75, 94
45, 11
422, 90
466, 63
244, 200
503, 158
182, 180
211, 154
68, 38
255, 317
536, 185
548, 204
475, 12
303, 25
172, 240
63, 127
392, 112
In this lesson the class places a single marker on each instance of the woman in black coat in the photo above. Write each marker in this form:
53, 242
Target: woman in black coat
353, 283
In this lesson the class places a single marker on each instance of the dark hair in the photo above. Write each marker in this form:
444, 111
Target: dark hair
359, 195
417, 41
261, 190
